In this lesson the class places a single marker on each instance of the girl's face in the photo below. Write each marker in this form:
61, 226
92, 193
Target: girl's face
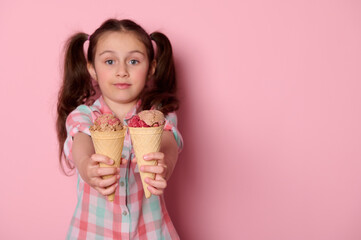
121, 67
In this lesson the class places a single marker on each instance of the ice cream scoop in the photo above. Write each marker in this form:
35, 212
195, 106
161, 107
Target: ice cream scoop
107, 122
147, 118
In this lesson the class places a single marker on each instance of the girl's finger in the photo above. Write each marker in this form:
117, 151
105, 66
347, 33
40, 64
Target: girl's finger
154, 156
103, 171
155, 191
107, 191
158, 169
104, 183
159, 183
99, 158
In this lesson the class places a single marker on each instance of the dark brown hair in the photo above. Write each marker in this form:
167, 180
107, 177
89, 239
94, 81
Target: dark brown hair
77, 87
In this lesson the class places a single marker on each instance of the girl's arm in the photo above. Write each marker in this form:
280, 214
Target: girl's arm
87, 164
169, 148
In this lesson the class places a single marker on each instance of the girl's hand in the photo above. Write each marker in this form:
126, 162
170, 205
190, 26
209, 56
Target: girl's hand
156, 186
92, 174
88, 167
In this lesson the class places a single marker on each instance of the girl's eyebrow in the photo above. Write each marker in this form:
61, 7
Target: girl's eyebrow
106, 51
110, 51
137, 51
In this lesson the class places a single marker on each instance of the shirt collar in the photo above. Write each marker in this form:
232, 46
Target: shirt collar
105, 109
103, 106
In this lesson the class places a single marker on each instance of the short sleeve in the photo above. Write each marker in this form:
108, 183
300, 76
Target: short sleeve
171, 122
78, 120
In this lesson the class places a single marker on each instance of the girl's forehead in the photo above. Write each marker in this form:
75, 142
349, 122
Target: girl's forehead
119, 41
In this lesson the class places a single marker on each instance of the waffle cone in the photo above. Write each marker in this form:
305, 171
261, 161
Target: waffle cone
109, 144
145, 140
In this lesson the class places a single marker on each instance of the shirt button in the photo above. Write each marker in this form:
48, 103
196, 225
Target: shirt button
121, 184
125, 213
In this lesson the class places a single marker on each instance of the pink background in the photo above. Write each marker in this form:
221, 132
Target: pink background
274, 153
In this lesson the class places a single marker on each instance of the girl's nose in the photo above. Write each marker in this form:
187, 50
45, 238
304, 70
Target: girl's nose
122, 70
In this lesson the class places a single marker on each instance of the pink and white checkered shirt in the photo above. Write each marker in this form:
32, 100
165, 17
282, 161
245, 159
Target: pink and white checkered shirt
130, 215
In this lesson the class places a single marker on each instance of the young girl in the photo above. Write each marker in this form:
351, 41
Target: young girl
120, 59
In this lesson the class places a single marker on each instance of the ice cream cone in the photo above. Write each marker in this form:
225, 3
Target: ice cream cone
145, 140
110, 144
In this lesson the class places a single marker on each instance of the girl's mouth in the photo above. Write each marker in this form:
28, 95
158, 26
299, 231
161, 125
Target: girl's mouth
122, 85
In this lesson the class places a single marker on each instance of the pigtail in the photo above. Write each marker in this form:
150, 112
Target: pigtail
76, 88
162, 90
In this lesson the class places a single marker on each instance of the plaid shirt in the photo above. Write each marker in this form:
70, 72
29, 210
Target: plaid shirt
130, 215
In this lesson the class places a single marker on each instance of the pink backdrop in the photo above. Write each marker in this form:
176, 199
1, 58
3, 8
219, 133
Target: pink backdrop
274, 153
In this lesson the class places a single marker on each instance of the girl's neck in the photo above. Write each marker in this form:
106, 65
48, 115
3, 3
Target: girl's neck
120, 109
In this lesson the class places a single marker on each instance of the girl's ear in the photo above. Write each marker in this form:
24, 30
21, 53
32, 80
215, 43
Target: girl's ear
152, 68
92, 71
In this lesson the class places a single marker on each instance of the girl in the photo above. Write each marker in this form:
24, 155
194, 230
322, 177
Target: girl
131, 77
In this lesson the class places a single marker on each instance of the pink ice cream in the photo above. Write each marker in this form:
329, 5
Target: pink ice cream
147, 118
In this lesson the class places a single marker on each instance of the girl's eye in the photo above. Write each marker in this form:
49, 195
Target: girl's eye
109, 62
133, 62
